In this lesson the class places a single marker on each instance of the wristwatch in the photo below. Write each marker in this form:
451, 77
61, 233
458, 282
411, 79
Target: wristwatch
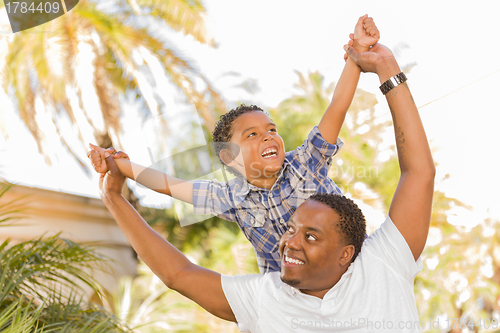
393, 82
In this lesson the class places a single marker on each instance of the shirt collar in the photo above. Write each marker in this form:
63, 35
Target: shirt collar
292, 291
332, 293
289, 289
242, 187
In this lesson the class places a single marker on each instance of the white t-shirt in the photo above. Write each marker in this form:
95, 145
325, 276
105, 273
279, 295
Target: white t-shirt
375, 294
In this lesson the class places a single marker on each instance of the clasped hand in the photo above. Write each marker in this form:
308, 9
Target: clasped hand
371, 61
111, 182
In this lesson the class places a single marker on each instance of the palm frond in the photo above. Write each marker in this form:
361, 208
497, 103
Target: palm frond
186, 16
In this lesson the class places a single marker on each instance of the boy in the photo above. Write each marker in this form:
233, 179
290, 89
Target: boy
270, 183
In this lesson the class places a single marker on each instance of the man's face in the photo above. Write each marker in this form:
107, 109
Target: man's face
313, 257
262, 151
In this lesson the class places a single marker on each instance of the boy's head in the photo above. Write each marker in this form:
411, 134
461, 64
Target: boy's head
247, 143
325, 234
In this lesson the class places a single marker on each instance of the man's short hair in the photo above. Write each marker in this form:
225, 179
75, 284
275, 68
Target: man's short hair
223, 131
351, 225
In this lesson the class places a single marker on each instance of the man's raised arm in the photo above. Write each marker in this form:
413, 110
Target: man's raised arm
412, 202
169, 264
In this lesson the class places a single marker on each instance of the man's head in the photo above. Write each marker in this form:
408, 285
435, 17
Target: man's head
324, 236
247, 142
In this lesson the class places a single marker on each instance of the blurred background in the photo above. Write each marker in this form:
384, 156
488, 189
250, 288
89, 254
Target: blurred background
151, 77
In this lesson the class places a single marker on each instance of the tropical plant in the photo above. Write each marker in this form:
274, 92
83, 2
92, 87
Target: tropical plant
358, 167
42, 283
77, 70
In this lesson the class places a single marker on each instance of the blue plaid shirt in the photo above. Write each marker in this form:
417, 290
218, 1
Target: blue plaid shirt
263, 214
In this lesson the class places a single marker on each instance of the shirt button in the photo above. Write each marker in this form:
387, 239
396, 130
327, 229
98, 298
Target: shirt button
282, 221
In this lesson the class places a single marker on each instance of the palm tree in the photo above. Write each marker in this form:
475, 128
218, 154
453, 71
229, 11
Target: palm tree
79, 68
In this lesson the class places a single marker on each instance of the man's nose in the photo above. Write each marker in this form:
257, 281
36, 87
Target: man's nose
293, 242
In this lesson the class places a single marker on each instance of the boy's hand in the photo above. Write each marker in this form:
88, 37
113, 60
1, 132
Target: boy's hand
365, 35
97, 157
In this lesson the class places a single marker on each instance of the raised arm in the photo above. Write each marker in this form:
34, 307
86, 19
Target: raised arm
365, 35
201, 285
151, 178
412, 202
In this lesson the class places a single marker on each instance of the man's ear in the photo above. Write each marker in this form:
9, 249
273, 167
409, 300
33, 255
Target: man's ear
226, 155
347, 254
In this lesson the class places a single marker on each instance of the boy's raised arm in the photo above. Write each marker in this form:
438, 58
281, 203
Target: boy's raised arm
412, 202
151, 178
201, 285
365, 35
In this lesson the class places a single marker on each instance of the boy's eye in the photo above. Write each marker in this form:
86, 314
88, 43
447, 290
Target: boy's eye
273, 130
251, 134
290, 228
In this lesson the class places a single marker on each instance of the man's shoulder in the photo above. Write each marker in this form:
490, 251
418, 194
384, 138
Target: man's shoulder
390, 247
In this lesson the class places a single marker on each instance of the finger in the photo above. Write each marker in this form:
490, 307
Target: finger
367, 20
93, 154
350, 43
111, 150
351, 51
362, 18
95, 159
368, 25
110, 163
372, 30
351, 36
121, 154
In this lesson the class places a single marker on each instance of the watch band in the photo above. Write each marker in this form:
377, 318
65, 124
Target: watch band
393, 82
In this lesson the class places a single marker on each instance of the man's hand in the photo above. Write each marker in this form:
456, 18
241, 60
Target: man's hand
365, 34
96, 156
371, 61
111, 182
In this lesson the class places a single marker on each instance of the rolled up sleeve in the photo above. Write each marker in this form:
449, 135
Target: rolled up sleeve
213, 197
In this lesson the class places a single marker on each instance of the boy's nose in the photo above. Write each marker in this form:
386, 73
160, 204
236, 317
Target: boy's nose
266, 136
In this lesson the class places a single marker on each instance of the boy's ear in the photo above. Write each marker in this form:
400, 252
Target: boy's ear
226, 155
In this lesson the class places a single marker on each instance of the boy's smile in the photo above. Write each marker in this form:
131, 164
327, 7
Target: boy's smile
261, 149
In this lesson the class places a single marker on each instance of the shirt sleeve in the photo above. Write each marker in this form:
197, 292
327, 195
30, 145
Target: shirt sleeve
390, 246
242, 293
316, 153
213, 197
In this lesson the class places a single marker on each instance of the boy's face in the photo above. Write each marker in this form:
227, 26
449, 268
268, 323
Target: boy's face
261, 149
313, 256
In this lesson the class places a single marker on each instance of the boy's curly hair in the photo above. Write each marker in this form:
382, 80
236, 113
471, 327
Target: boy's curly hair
352, 223
223, 131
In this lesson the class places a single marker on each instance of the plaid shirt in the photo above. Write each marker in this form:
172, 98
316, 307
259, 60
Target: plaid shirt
263, 214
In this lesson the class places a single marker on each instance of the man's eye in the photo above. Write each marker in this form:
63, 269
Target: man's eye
310, 237
251, 134
273, 130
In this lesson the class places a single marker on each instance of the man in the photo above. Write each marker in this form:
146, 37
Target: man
328, 281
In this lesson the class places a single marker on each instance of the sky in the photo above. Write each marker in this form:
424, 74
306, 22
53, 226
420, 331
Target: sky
453, 43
